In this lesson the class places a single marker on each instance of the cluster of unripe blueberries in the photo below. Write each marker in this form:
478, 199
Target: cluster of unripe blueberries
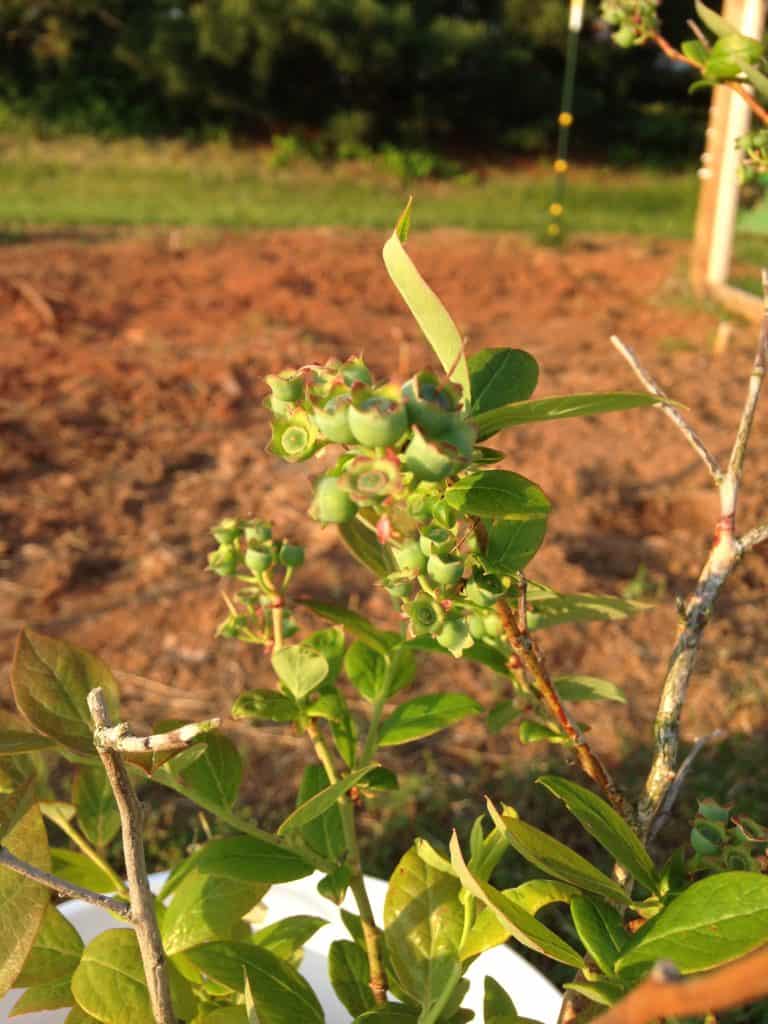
634, 21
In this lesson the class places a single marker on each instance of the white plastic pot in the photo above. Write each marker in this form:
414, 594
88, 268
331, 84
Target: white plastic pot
534, 995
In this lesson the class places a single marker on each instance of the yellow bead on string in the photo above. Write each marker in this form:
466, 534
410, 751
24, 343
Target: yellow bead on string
560, 166
565, 119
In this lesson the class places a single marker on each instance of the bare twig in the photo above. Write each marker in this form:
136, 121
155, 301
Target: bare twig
677, 783
142, 900
670, 411
752, 538
664, 994
119, 738
75, 892
525, 649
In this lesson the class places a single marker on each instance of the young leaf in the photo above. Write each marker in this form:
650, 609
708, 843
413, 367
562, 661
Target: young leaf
280, 994
350, 976
428, 311
488, 931
330, 643
512, 544
205, 908
23, 901
301, 669
320, 802
53, 995
423, 921
497, 1005
498, 494
423, 716
559, 407
499, 376
576, 688
55, 954
367, 670
265, 704
249, 859
51, 680
604, 991
607, 827
209, 773
325, 834
555, 858
599, 928
537, 732
356, 625
517, 922
285, 938
97, 813
715, 920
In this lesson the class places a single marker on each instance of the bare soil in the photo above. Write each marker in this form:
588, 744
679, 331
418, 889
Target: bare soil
131, 419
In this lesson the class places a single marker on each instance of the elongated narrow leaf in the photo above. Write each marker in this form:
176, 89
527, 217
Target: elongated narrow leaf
424, 716
16, 741
350, 976
362, 542
428, 311
205, 908
97, 813
576, 688
356, 625
551, 609
555, 857
55, 954
756, 77
248, 859
498, 494
599, 928
607, 827
393, 1013
716, 920
559, 407
713, 21
604, 991
325, 833
488, 931
500, 376
321, 801
23, 901
51, 680
423, 920
517, 922
280, 994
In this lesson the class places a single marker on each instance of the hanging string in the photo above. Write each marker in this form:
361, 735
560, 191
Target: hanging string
565, 119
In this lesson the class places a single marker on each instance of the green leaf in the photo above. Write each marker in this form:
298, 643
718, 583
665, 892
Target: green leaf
393, 1013
756, 78
423, 919
364, 545
206, 907
97, 813
496, 1003
607, 827
575, 688
266, 704
51, 680
517, 922
75, 867
423, 716
334, 885
325, 834
559, 407
500, 376
55, 954
280, 994
547, 608
16, 741
209, 773
109, 981
17, 790
537, 732
330, 643
320, 802
53, 995
249, 859
367, 670
479, 652
511, 545
78, 1016
227, 1015
555, 857
715, 920
427, 309
356, 625
350, 976
284, 938
604, 991
600, 929
498, 494
301, 669
729, 54
714, 22
23, 901
694, 50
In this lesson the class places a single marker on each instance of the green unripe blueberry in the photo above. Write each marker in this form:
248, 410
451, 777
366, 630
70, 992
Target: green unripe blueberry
432, 404
461, 436
331, 503
484, 591
494, 626
291, 556
378, 421
625, 37
286, 386
294, 439
398, 589
455, 636
476, 625
436, 540
259, 559
430, 460
369, 481
445, 571
224, 560
409, 557
707, 838
425, 615
257, 532
713, 811
736, 859
228, 531
333, 420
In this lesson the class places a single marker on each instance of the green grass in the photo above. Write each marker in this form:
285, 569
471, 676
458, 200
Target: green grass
81, 183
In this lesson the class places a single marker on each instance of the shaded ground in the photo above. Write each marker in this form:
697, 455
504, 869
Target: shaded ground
131, 420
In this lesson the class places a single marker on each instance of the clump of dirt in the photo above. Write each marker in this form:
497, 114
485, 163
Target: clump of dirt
131, 419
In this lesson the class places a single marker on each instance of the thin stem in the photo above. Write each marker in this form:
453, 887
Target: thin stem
372, 739
669, 410
76, 892
523, 646
119, 738
676, 785
378, 982
752, 538
277, 627
142, 901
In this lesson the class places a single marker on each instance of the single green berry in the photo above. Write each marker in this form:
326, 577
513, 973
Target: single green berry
455, 636
494, 625
228, 531
331, 503
224, 561
476, 625
433, 405
425, 615
625, 37
444, 571
436, 540
378, 420
333, 420
291, 556
707, 838
399, 589
431, 460
461, 435
294, 439
739, 859
409, 557
369, 481
259, 559
286, 386
713, 811
484, 591
257, 532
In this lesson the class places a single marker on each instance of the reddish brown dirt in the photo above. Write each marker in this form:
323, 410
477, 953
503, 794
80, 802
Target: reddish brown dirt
131, 419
